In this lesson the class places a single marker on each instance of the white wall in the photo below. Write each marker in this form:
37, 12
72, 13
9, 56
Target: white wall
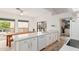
36, 15
55, 20
51, 20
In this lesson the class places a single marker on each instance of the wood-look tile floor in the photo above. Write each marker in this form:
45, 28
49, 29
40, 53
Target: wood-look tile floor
3, 46
55, 46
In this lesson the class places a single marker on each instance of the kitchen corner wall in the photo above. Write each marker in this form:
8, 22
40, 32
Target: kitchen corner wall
74, 29
37, 15
53, 21
56, 20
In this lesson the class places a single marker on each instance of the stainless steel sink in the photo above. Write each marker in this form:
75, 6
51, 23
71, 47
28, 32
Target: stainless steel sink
73, 43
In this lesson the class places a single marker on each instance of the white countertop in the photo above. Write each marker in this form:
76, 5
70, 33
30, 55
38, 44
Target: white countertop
27, 36
31, 35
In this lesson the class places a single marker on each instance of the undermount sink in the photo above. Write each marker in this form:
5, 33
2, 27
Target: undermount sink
73, 43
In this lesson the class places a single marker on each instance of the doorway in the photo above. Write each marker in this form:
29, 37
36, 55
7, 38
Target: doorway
65, 27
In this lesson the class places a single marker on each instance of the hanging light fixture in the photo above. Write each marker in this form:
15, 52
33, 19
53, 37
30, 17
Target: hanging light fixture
21, 11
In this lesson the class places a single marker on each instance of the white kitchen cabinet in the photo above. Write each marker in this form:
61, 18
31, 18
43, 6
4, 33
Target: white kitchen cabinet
45, 40
34, 44
49, 40
52, 37
55, 36
42, 42
26, 45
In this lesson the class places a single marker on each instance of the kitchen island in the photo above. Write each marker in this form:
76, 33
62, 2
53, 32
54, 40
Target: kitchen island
35, 41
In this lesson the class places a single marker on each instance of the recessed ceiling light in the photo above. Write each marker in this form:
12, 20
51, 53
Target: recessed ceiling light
21, 13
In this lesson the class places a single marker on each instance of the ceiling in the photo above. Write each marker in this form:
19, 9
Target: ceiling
29, 11
59, 10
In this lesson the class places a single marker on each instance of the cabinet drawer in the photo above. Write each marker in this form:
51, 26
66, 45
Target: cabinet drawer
24, 45
42, 42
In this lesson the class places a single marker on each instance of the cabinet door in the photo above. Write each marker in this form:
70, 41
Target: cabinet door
51, 38
48, 37
34, 44
42, 42
24, 45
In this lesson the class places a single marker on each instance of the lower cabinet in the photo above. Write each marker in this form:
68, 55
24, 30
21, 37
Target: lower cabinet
23, 45
48, 38
36, 43
45, 40
52, 37
42, 42
26, 45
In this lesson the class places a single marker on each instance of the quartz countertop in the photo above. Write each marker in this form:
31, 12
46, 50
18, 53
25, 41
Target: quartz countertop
27, 36
30, 35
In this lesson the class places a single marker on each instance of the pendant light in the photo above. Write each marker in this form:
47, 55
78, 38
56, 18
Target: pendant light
21, 11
